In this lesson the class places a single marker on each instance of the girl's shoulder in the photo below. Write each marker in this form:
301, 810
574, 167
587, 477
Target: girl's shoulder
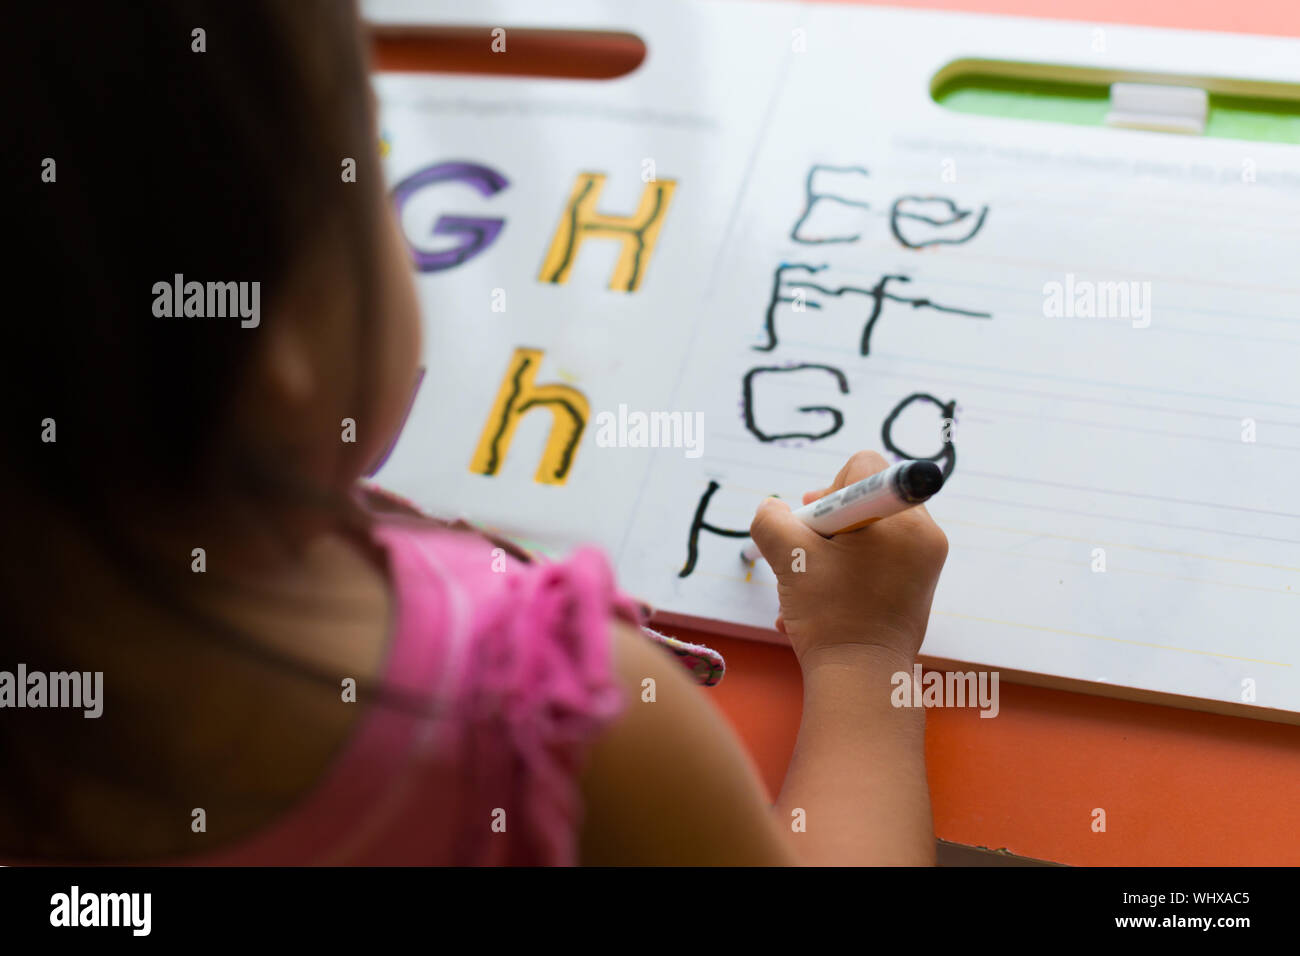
472, 553
498, 675
497, 626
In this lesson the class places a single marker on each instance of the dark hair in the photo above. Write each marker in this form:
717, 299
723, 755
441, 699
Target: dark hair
221, 165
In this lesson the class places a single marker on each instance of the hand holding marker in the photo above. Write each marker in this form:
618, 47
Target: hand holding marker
897, 488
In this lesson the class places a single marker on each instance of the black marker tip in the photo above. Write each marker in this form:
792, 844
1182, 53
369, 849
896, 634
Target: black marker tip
920, 480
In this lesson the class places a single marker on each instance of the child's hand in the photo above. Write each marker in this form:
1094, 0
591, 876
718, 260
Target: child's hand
868, 587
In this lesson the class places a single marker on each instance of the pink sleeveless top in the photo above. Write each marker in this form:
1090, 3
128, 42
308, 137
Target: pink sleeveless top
516, 659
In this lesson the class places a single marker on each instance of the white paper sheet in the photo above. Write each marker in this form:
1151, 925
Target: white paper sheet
813, 187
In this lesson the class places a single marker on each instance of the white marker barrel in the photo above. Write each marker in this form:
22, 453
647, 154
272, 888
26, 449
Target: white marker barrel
897, 488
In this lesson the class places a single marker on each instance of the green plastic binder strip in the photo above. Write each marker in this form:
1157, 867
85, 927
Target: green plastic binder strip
1269, 112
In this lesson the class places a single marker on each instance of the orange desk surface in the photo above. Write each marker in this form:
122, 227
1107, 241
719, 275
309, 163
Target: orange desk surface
1179, 787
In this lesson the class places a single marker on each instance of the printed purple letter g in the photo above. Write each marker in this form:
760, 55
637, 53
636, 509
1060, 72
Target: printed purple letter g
478, 233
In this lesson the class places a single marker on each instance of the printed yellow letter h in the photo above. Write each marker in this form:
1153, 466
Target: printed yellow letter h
517, 396
580, 221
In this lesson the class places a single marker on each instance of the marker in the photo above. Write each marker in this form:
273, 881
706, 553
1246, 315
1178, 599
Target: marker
897, 488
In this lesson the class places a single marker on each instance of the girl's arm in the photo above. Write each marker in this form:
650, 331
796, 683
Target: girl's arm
858, 769
671, 784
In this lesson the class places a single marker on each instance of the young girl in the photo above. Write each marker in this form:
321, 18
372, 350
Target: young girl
296, 670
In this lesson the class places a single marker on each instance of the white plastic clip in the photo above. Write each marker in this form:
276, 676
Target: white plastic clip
1168, 109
